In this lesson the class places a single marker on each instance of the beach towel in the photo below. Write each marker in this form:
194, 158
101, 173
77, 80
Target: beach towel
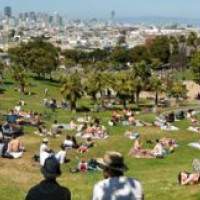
79, 134
169, 128
194, 129
195, 145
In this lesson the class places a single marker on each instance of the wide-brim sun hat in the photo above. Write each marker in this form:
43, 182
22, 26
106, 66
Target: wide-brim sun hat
51, 168
112, 160
45, 140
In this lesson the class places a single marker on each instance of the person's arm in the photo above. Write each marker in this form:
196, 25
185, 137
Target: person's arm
188, 180
95, 193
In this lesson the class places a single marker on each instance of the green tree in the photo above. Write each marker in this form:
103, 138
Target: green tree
120, 55
72, 89
124, 86
178, 90
141, 74
139, 53
20, 76
101, 66
160, 49
195, 66
157, 87
95, 83
192, 39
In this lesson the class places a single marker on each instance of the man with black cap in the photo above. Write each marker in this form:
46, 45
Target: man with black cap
116, 186
49, 189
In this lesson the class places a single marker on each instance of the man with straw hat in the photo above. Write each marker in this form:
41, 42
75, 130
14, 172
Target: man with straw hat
116, 186
49, 189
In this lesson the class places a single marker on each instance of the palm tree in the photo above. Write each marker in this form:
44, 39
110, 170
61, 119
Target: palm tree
95, 83
157, 87
141, 74
124, 86
72, 89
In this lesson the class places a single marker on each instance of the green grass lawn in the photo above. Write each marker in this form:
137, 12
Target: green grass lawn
158, 176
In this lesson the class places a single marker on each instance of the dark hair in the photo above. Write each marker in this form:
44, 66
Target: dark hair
179, 178
55, 121
157, 140
89, 139
113, 172
74, 140
68, 137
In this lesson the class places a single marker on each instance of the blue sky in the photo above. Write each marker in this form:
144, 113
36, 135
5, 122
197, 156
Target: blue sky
102, 8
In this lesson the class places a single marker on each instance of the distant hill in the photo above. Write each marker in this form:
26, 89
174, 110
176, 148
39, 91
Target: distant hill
159, 20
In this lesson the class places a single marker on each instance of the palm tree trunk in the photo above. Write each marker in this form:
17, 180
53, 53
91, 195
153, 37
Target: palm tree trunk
156, 99
73, 106
137, 98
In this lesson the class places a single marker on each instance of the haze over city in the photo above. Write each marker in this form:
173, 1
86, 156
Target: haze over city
101, 9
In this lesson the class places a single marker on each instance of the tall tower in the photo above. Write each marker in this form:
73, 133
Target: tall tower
113, 15
7, 11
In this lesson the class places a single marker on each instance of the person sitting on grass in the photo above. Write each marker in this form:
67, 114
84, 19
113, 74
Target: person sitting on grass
42, 131
15, 148
49, 189
55, 129
116, 116
75, 144
45, 151
157, 150
83, 165
86, 145
136, 147
68, 143
131, 120
61, 155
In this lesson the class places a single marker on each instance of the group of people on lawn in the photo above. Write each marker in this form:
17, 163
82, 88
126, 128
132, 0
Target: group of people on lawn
115, 186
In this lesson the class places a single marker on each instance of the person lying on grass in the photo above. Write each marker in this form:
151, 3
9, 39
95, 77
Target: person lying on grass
86, 145
185, 178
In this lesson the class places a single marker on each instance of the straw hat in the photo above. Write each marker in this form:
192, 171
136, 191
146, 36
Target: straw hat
112, 160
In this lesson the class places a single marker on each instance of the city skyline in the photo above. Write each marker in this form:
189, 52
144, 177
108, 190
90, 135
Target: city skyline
102, 9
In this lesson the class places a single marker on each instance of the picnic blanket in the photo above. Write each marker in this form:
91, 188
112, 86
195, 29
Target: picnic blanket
195, 145
67, 127
80, 134
194, 129
169, 128
133, 135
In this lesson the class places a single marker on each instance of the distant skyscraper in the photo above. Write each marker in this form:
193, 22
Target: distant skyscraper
7, 11
113, 15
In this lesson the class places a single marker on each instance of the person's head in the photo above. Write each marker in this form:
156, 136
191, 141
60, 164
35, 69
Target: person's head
112, 164
68, 137
45, 141
179, 178
157, 140
89, 139
14, 137
55, 121
51, 168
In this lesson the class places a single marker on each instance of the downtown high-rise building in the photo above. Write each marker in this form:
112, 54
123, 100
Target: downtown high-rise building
7, 11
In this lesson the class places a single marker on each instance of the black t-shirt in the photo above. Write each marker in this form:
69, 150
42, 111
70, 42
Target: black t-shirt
48, 190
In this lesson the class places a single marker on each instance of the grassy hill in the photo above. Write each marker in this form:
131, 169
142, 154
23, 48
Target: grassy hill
158, 176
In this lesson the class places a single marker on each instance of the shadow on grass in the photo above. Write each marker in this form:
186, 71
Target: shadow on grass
46, 80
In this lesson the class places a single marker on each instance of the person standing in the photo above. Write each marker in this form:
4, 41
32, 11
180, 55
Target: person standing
49, 188
116, 186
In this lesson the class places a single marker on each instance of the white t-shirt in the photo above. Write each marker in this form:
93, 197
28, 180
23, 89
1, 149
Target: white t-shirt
43, 154
68, 143
119, 188
60, 156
